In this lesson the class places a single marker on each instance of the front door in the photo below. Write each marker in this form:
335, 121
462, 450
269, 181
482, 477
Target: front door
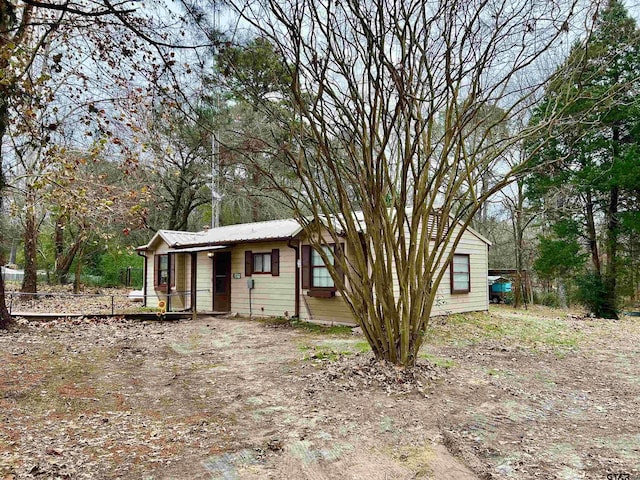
222, 282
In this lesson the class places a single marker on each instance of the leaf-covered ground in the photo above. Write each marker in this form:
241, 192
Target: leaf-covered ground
513, 394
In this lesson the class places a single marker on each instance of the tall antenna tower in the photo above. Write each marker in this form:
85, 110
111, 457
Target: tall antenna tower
216, 195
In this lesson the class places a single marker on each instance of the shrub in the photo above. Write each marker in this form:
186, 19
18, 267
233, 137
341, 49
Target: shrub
548, 299
591, 293
110, 270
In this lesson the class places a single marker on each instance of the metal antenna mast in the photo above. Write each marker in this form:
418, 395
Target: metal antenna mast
216, 195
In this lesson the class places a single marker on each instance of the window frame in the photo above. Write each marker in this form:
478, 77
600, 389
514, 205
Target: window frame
158, 271
330, 249
263, 271
452, 273
161, 257
274, 267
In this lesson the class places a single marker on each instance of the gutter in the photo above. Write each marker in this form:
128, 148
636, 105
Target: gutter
229, 243
297, 278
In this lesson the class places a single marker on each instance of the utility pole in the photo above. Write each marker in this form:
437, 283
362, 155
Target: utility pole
216, 195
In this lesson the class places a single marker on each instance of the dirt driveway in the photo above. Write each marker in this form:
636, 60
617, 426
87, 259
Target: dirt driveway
509, 395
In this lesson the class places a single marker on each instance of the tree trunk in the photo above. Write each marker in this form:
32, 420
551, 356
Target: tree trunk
64, 260
517, 297
58, 238
609, 309
29, 282
592, 235
518, 227
5, 318
76, 279
562, 294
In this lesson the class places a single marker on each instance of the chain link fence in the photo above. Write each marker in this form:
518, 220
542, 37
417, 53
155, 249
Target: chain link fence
120, 303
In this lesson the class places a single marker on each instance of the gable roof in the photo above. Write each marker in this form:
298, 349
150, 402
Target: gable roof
229, 234
252, 232
172, 238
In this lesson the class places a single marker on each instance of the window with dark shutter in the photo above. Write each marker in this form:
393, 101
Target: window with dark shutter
320, 276
338, 251
315, 273
267, 262
306, 267
275, 262
248, 263
261, 263
161, 272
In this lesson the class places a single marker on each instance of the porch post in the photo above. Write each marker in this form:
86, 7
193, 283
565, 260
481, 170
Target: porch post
169, 275
194, 283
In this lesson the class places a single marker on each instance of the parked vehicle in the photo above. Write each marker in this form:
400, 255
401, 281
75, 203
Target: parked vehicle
499, 287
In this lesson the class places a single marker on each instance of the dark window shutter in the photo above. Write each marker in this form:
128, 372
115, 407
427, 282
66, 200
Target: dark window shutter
338, 252
275, 262
363, 243
306, 266
248, 263
156, 270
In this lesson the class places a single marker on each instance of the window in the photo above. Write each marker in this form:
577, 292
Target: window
315, 274
460, 274
320, 277
262, 263
163, 270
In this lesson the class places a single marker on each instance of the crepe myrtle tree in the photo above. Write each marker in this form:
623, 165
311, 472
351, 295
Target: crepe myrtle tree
383, 98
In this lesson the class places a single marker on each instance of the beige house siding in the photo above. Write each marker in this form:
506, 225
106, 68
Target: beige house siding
204, 282
181, 287
153, 297
326, 310
272, 295
478, 297
180, 290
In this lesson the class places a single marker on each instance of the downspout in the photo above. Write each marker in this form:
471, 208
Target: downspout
144, 278
297, 278
210, 256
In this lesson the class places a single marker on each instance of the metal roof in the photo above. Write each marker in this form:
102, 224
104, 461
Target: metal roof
243, 232
250, 232
174, 238
210, 248
496, 278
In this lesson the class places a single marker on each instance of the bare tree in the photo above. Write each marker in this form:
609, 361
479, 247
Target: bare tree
521, 217
384, 96
181, 158
121, 35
